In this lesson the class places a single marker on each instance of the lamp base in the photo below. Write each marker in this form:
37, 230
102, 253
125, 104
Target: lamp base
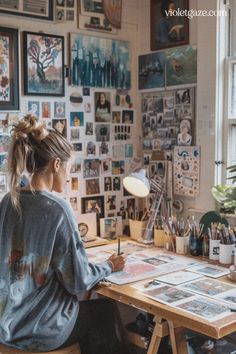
145, 242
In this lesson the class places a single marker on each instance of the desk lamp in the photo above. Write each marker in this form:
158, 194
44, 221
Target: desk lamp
140, 186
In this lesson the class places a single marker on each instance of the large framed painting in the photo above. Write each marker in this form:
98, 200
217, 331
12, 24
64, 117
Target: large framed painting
9, 73
168, 27
99, 62
42, 9
43, 64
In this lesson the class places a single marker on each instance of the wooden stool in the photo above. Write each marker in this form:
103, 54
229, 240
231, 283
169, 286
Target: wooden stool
73, 349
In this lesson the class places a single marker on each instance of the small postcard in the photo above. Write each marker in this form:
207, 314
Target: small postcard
210, 270
167, 294
178, 278
207, 286
205, 308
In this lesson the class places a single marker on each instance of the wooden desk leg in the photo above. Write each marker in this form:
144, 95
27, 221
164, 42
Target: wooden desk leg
177, 339
157, 335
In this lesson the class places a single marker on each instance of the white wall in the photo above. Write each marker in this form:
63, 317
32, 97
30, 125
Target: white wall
203, 35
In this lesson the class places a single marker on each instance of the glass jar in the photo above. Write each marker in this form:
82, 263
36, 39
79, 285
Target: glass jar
195, 245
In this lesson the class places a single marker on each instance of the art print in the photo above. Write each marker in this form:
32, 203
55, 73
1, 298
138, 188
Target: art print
110, 202
89, 128
99, 62
92, 186
205, 308
74, 134
181, 66
74, 203
151, 72
228, 297
60, 126
102, 107
107, 184
75, 164
209, 270
167, 294
106, 166
168, 29
33, 108
59, 109
91, 148
91, 168
111, 227
94, 204
209, 287
118, 167
46, 109
76, 119
129, 150
102, 132
9, 75
74, 183
133, 272
43, 64
116, 117
127, 117
116, 183
187, 170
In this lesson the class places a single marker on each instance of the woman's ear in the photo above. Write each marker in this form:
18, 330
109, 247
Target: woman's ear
56, 165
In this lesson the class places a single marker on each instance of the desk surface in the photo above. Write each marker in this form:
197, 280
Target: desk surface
129, 295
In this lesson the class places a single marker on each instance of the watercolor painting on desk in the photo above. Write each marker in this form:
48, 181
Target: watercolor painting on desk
167, 294
133, 272
205, 308
210, 270
209, 287
177, 278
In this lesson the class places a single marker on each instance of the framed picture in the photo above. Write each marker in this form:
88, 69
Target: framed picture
42, 9
168, 28
9, 72
93, 205
111, 227
43, 64
105, 62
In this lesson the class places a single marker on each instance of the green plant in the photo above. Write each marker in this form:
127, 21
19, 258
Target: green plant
226, 194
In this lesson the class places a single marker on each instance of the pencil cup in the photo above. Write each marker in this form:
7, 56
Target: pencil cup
181, 244
159, 238
195, 245
214, 249
137, 228
226, 253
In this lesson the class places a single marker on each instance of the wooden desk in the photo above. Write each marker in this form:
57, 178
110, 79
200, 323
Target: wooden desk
168, 320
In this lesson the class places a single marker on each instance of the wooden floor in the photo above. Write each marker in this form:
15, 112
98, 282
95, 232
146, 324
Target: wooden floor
73, 349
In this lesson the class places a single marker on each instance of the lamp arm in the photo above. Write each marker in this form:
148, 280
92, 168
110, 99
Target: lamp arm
148, 233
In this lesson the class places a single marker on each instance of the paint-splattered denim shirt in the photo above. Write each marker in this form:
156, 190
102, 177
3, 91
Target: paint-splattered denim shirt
43, 266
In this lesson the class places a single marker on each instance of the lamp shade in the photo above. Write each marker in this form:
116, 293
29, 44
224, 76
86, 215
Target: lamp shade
137, 183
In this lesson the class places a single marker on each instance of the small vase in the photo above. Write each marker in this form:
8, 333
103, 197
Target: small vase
195, 245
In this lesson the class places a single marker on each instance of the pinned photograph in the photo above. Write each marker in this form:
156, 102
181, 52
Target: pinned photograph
92, 186
74, 183
33, 108
93, 205
74, 203
116, 183
111, 227
107, 184
89, 128
106, 166
46, 109
76, 119
78, 147
118, 167
91, 148
102, 132
110, 202
75, 164
103, 148
127, 117
91, 168
74, 134
102, 107
60, 126
116, 117
59, 109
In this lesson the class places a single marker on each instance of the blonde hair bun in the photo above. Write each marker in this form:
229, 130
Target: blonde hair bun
29, 127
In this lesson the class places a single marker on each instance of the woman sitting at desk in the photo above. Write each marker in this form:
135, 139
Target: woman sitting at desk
43, 264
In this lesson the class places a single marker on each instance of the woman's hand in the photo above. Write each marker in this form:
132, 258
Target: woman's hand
117, 262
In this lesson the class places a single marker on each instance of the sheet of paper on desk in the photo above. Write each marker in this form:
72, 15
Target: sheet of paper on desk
210, 270
186, 261
229, 297
208, 286
177, 278
168, 294
135, 271
206, 308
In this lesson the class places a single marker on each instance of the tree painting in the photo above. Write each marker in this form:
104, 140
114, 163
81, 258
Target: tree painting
43, 64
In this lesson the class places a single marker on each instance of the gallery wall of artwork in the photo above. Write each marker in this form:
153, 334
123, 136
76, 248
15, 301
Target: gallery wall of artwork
82, 84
